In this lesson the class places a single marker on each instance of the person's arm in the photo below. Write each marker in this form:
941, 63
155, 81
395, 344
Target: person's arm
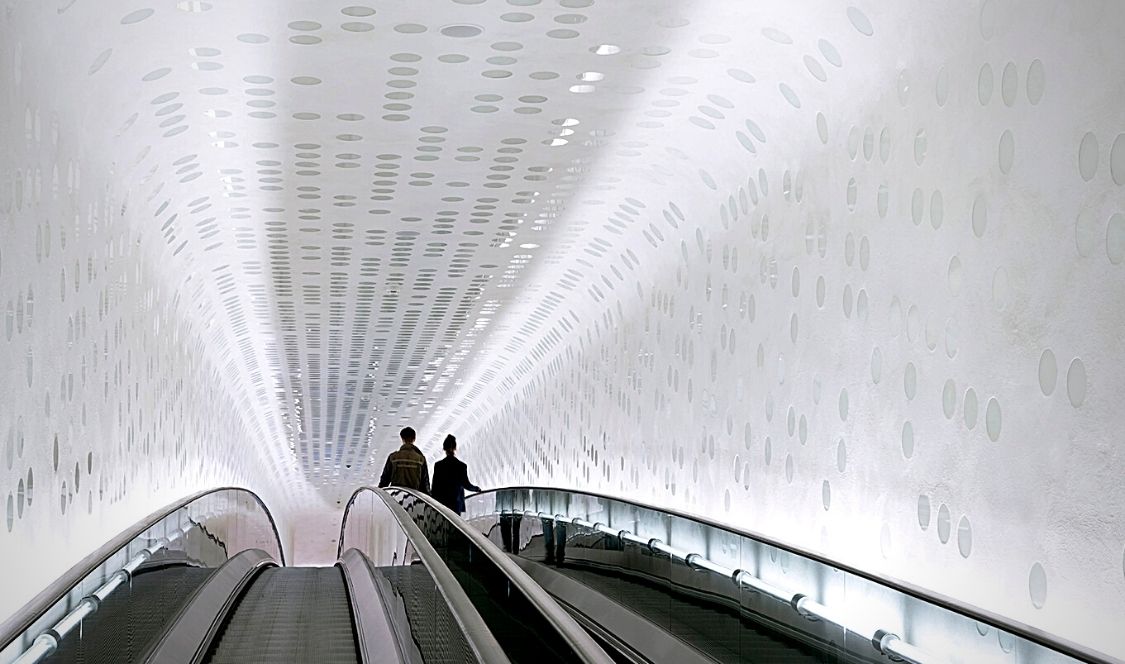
466, 483
425, 476
438, 479
385, 478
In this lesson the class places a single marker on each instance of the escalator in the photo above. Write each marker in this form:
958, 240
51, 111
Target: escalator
434, 633
530, 576
621, 595
718, 630
289, 614
181, 596
525, 623
132, 618
352, 613
653, 585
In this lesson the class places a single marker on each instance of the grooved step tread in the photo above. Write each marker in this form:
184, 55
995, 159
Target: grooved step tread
712, 629
290, 614
127, 622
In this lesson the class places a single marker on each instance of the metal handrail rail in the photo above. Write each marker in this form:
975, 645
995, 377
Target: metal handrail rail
480, 638
577, 638
34, 609
1022, 630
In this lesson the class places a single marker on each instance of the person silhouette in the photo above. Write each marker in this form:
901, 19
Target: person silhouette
451, 478
406, 467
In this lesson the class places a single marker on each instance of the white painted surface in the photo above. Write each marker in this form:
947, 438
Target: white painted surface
848, 276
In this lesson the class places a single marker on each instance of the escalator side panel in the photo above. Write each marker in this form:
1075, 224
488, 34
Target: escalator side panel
707, 612
446, 603
525, 620
433, 628
379, 642
399, 616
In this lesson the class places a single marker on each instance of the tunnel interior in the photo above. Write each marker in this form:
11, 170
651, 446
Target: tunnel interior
849, 275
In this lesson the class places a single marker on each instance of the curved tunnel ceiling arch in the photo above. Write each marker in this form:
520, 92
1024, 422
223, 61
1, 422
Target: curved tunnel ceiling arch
747, 259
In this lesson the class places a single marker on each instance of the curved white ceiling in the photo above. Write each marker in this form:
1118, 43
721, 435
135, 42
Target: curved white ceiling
372, 203
849, 275
358, 191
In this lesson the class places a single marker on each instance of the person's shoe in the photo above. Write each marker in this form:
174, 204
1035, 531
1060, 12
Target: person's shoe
549, 560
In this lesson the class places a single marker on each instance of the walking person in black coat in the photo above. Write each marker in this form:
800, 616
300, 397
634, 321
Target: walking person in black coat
451, 478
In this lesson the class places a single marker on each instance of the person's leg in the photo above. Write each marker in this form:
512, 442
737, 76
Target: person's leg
506, 531
560, 542
549, 540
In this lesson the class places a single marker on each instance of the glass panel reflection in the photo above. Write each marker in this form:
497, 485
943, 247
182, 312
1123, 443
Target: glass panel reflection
521, 629
406, 586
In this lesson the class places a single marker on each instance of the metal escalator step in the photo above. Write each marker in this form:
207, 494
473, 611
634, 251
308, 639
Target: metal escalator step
290, 614
127, 622
710, 630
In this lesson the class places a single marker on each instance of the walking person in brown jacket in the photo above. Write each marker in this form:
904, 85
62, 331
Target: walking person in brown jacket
406, 467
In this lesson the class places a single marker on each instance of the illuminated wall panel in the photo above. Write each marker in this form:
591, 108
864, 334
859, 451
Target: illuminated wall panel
853, 281
847, 275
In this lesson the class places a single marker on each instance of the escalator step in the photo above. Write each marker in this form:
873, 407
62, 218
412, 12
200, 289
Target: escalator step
133, 616
716, 632
290, 614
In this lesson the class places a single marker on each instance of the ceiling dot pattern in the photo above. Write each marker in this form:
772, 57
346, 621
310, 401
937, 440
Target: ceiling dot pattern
353, 313
695, 335
848, 274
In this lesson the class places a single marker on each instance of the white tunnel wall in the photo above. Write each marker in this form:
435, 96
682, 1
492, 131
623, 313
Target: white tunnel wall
889, 333
118, 396
115, 402
850, 277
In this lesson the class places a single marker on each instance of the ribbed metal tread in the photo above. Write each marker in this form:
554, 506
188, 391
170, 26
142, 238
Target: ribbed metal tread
712, 630
127, 622
432, 626
290, 614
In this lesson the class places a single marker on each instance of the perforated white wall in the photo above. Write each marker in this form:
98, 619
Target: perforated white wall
852, 278
846, 275
117, 393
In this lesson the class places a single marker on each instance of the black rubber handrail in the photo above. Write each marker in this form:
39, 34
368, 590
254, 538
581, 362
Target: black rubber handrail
187, 637
21, 620
1024, 631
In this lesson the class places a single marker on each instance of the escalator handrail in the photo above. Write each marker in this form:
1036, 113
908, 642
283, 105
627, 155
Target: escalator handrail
192, 631
34, 609
580, 642
479, 637
1015, 628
